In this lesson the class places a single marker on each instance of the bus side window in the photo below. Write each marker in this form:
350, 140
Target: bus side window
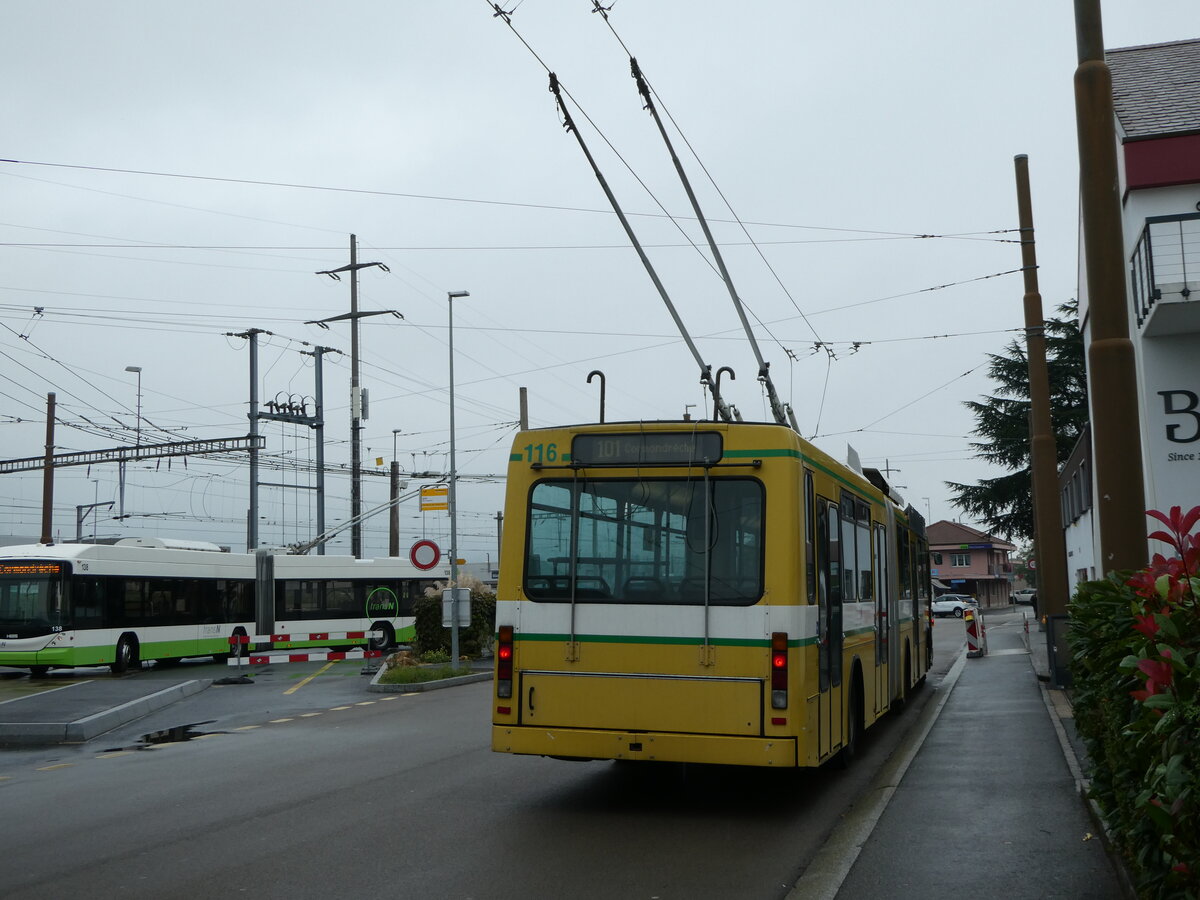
810, 545
88, 601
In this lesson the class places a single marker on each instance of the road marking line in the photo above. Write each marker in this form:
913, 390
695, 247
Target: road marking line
43, 693
59, 766
279, 721
114, 753
365, 703
319, 671
335, 708
5, 777
308, 715
247, 728
386, 699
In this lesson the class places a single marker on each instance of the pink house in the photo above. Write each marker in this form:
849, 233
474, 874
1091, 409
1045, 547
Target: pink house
965, 560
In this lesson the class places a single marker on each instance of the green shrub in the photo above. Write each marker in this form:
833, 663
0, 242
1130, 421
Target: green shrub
1135, 641
473, 641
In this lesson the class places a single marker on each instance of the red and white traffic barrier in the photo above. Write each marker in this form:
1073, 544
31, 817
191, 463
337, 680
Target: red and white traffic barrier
257, 659
976, 634
314, 636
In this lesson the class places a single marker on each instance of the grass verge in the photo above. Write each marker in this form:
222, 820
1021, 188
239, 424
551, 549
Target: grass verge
416, 674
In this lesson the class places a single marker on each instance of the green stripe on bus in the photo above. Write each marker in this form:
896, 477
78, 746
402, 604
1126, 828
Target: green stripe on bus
658, 639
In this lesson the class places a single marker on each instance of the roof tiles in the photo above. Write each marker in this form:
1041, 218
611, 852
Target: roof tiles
1156, 88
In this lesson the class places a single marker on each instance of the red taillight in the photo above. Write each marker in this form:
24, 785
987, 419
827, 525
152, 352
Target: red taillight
504, 661
779, 670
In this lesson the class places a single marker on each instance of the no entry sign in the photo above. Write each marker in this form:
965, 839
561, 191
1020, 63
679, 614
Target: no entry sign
425, 554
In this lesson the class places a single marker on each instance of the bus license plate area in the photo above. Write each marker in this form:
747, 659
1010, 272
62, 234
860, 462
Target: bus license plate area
642, 702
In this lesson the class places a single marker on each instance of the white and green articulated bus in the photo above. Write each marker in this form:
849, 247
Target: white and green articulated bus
67, 605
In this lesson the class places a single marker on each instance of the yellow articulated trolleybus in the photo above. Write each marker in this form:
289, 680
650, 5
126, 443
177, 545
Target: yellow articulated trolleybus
702, 592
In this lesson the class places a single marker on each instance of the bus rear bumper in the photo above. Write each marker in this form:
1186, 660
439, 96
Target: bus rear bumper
580, 743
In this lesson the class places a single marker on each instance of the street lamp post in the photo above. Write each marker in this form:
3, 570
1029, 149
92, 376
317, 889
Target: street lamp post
451, 296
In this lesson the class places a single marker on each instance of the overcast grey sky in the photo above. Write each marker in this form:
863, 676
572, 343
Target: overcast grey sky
185, 169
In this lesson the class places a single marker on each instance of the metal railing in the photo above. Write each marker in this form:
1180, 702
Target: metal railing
1165, 266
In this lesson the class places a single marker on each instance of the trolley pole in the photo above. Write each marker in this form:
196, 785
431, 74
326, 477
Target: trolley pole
1112, 369
1049, 547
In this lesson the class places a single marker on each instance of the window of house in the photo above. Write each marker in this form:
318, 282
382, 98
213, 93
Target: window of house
961, 560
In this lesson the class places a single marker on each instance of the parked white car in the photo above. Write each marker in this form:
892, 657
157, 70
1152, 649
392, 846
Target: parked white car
953, 605
1024, 595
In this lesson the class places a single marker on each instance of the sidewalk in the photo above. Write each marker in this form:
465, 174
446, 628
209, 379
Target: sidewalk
81, 710
987, 806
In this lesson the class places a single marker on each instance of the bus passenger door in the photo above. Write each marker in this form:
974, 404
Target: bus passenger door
831, 715
884, 623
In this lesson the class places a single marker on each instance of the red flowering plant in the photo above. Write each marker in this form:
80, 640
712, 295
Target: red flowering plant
1165, 718
1135, 648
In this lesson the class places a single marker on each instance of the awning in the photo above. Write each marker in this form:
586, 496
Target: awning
939, 586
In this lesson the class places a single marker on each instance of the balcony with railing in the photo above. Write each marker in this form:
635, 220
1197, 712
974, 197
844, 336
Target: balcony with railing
1164, 275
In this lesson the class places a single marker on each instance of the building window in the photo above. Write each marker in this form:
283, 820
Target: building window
960, 560
937, 557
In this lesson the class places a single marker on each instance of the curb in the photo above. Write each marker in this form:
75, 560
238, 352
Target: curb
421, 686
83, 730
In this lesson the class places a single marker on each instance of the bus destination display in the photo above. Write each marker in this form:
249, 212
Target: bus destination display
31, 568
651, 448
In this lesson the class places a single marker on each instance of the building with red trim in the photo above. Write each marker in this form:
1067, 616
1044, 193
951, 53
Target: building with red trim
1156, 99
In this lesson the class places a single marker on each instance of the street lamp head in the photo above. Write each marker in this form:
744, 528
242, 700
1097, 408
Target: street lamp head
134, 369
454, 295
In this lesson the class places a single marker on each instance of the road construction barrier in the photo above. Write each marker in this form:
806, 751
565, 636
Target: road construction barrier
262, 659
976, 634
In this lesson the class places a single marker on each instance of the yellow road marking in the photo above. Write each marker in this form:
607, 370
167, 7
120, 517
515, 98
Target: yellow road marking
59, 766
202, 737
5, 777
279, 721
365, 703
296, 687
247, 728
114, 753
392, 697
334, 708
308, 715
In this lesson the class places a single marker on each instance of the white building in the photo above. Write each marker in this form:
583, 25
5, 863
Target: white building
1156, 98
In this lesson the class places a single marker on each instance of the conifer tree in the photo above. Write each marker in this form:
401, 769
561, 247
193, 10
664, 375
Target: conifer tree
1005, 503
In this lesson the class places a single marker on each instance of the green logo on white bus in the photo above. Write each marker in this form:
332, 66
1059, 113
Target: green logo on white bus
382, 603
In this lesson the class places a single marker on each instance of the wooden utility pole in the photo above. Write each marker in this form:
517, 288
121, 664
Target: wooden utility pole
48, 476
1049, 544
1120, 501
